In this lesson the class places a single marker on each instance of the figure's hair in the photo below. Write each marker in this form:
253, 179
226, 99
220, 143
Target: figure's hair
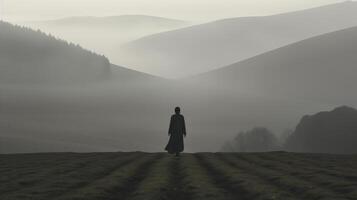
177, 110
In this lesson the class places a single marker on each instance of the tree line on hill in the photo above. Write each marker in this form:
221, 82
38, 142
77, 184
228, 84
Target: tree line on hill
28, 56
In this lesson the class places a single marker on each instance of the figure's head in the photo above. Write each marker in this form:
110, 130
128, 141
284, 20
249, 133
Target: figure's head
177, 110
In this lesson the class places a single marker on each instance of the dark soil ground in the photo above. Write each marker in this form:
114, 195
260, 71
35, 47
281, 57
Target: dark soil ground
158, 176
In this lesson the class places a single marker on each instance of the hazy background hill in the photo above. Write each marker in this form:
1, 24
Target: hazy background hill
320, 69
130, 110
201, 48
105, 35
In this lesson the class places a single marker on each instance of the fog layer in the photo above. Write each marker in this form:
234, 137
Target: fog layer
126, 110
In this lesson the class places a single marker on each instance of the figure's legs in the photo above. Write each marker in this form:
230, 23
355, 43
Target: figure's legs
177, 154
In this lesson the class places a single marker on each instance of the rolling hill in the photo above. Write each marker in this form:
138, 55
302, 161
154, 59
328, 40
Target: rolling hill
105, 34
123, 21
321, 69
205, 47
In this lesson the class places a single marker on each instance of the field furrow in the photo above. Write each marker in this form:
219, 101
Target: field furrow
53, 185
178, 187
120, 183
156, 184
201, 182
21, 165
32, 174
160, 176
285, 182
166, 180
242, 184
326, 179
219, 176
333, 167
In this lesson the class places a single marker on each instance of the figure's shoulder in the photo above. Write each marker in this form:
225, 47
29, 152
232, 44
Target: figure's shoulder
177, 116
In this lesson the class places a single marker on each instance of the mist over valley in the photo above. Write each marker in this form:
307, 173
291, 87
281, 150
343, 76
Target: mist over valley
59, 96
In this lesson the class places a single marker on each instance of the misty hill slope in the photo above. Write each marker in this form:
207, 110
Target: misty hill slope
104, 35
201, 48
328, 132
27, 56
122, 21
128, 111
140, 176
57, 96
322, 68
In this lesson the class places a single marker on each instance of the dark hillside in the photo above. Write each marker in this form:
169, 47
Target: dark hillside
28, 56
329, 132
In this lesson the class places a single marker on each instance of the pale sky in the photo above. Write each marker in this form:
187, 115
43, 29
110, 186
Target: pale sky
192, 10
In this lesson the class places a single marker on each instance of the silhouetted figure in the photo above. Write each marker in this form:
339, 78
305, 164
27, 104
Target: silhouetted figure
177, 131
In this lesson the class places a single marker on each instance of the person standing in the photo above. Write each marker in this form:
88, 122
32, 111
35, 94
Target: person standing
177, 131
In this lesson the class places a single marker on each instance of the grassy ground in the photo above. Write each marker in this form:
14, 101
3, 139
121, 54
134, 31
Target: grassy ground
144, 176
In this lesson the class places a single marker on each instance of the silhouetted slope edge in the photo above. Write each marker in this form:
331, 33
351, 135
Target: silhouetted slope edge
28, 56
326, 132
126, 74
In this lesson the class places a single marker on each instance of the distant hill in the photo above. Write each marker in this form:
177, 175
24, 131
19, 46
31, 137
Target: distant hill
321, 69
326, 132
28, 56
205, 47
121, 21
105, 35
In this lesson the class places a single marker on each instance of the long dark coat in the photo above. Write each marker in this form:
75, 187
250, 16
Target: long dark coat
176, 131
